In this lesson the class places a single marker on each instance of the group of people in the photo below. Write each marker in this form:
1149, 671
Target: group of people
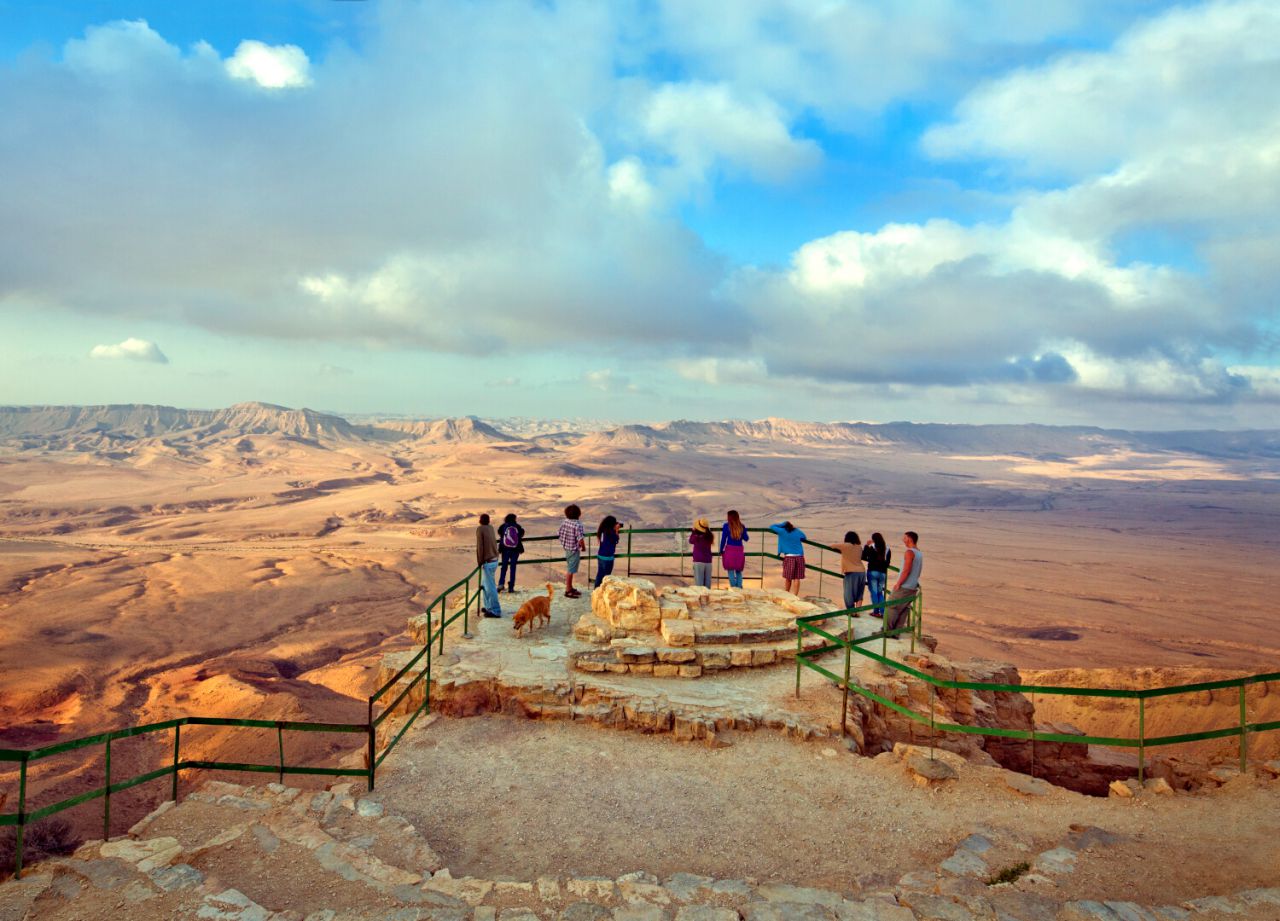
865, 566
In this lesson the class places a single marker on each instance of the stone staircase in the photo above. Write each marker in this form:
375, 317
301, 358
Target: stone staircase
275, 853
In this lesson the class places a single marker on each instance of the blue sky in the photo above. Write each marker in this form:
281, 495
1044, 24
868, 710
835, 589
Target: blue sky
944, 211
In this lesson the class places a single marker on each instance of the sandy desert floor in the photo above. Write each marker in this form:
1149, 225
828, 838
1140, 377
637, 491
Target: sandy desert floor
265, 576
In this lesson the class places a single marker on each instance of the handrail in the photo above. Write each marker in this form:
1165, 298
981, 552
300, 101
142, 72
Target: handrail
434, 638
851, 645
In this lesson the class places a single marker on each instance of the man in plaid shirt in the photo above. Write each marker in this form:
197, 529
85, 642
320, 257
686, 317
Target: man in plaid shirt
572, 540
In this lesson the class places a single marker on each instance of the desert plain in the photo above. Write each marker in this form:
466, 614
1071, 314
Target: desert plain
259, 561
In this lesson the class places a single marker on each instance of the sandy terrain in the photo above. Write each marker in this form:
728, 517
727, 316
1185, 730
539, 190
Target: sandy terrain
255, 562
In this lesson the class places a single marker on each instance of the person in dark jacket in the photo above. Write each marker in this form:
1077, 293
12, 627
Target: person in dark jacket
878, 556
607, 536
510, 546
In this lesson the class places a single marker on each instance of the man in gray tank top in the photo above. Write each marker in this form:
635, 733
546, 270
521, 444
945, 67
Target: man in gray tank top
908, 584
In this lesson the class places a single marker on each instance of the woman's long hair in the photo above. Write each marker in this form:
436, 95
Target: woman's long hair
736, 528
606, 527
877, 539
851, 537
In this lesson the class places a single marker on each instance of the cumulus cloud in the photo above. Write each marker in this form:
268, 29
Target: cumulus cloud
270, 66
131, 349
702, 125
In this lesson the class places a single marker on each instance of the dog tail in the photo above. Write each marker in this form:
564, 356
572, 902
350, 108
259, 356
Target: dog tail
551, 589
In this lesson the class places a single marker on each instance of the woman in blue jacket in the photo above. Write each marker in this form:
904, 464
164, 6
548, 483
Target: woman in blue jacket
791, 549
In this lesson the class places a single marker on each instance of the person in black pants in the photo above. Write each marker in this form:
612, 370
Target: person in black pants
510, 546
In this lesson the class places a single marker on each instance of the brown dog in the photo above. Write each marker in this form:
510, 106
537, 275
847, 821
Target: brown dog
535, 609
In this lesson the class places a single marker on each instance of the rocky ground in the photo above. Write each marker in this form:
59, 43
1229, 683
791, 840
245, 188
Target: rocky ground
273, 853
499, 819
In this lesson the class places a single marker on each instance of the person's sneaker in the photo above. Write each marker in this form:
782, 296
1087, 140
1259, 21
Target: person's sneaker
491, 614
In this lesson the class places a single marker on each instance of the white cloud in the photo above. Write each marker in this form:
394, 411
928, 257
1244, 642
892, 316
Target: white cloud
627, 183
606, 380
270, 66
132, 349
1188, 78
717, 371
704, 124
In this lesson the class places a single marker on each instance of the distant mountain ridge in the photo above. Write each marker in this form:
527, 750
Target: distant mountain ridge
49, 425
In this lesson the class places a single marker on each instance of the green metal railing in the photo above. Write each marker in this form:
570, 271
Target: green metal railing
852, 646
438, 623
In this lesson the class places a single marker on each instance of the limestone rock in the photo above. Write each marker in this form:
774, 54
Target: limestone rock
1058, 860
964, 863
706, 913
146, 855
1271, 767
1026, 785
1122, 788
1158, 786
931, 770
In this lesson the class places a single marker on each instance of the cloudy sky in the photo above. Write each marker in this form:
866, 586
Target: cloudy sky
940, 210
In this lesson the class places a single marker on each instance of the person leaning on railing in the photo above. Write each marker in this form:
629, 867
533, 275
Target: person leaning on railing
607, 535
791, 549
855, 574
511, 543
908, 584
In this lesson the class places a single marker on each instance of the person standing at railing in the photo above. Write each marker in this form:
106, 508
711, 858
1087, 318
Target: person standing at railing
855, 575
733, 553
908, 584
607, 537
877, 555
572, 539
487, 560
791, 549
700, 538
511, 544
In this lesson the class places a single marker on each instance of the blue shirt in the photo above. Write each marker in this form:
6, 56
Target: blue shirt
608, 545
790, 543
726, 539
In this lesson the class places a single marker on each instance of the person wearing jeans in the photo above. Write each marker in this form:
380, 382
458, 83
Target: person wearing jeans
733, 555
700, 538
877, 555
855, 576
487, 558
511, 545
607, 535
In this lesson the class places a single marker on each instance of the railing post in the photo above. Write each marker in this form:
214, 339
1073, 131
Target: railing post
822, 564
443, 615
177, 745
844, 695
589, 580
373, 737
1142, 740
466, 621
628, 553
799, 648
22, 818
106, 798
280, 746
1244, 732
933, 728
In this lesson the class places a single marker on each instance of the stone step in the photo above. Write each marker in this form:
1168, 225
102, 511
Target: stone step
633, 655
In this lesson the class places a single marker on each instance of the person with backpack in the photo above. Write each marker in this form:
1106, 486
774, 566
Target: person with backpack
607, 536
733, 553
908, 584
510, 545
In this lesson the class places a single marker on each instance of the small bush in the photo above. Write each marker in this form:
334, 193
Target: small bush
52, 837
1009, 874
